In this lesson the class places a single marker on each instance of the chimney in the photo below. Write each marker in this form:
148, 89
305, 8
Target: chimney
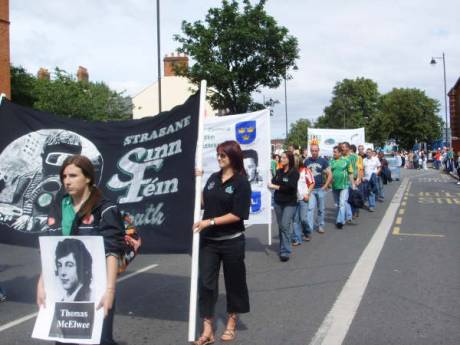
5, 76
43, 74
180, 60
82, 74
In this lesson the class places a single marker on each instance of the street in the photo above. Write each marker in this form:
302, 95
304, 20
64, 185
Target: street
410, 296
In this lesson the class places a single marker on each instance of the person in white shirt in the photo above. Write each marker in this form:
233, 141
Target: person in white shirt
372, 167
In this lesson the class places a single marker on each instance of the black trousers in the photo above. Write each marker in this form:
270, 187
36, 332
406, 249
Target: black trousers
107, 329
231, 254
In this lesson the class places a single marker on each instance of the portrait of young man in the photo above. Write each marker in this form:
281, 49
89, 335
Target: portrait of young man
74, 270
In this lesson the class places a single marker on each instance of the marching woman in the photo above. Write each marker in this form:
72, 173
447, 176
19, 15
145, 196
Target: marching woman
226, 202
285, 185
83, 211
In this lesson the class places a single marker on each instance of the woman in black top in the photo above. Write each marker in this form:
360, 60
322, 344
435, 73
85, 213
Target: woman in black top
226, 202
285, 185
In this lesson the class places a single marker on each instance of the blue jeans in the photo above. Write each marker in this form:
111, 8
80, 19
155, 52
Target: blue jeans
301, 225
371, 199
316, 201
341, 197
285, 217
380, 194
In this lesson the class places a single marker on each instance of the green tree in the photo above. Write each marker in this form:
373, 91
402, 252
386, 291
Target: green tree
237, 51
68, 97
298, 133
353, 105
407, 115
22, 86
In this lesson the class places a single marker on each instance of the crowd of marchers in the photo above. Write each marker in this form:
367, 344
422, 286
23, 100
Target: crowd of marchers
445, 159
301, 180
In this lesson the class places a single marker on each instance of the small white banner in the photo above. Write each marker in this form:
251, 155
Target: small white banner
252, 132
74, 274
327, 138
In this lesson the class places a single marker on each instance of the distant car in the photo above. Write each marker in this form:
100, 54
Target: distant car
394, 166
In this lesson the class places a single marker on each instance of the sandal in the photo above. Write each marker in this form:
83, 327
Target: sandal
229, 333
204, 340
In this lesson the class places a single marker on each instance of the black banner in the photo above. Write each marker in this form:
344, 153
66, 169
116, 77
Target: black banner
146, 166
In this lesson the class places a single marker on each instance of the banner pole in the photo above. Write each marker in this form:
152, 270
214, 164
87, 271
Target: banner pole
196, 217
270, 234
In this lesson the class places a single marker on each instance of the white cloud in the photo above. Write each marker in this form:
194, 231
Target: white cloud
389, 41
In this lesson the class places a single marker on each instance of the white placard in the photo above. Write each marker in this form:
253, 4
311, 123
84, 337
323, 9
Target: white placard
75, 279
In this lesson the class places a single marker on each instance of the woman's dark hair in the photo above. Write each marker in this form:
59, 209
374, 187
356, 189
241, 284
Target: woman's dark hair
233, 151
83, 259
89, 172
291, 159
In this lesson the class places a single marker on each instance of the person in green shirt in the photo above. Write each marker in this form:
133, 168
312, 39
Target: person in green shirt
352, 157
342, 178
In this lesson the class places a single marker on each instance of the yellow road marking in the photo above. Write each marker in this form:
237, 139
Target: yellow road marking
417, 235
404, 203
401, 211
448, 201
398, 220
396, 230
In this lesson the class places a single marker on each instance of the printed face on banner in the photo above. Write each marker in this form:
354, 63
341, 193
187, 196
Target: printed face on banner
245, 132
74, 277
29, 175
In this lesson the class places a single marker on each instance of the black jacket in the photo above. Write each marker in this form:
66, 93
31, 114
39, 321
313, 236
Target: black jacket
105, 221
287, 194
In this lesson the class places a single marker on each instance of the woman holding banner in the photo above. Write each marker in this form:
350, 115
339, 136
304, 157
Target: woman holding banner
84, 211
226, 203
285, 185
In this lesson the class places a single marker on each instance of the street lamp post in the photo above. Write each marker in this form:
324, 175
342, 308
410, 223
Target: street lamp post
159, 56
285, 103
433, 62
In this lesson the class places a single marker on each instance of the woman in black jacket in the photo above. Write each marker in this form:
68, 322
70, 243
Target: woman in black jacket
226, 202
285, 185
83, 211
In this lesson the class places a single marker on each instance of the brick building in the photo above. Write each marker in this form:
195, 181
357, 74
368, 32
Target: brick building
454, 105
5, 78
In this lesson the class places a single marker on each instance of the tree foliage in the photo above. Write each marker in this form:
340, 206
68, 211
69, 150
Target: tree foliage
298, 133
22, 86
407, 115
237, 51
353, 105
68, 97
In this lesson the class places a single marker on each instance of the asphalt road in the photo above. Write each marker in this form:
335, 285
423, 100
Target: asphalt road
413, 295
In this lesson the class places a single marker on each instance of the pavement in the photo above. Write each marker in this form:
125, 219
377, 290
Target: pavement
391, 278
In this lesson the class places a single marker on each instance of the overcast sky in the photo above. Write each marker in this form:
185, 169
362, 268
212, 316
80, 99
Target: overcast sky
388, 41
